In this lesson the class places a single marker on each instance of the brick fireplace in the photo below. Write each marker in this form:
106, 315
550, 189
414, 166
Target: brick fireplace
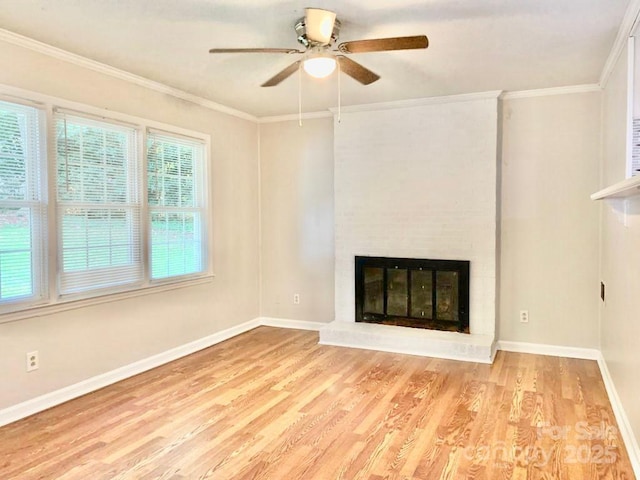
418, 182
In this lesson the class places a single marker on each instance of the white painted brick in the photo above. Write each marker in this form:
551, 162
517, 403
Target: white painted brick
419, 182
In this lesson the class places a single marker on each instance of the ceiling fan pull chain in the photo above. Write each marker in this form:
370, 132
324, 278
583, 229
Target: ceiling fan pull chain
300, 94
339, 92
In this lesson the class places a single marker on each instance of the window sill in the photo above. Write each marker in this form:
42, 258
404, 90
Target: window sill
61, 306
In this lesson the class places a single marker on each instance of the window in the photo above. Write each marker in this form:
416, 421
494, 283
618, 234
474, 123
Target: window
176, 199
98, 209
633, 107
129, 212
22, 204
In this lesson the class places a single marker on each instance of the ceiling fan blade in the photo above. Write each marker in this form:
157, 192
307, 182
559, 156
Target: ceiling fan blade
384, 44
254, 50
319, 25
357, 71
284, 74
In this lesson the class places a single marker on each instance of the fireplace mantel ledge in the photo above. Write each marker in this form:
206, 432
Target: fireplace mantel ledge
623, 189
412, 341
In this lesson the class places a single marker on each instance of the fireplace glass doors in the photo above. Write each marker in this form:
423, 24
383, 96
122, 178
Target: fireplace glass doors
413, 292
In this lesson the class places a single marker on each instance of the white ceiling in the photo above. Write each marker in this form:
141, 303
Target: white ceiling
475, 45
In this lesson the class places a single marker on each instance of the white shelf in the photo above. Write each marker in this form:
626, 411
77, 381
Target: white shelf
623, 189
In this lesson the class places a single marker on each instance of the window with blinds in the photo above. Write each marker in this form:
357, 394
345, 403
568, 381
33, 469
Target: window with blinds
22, 204
176, 198
130, 211
98, 209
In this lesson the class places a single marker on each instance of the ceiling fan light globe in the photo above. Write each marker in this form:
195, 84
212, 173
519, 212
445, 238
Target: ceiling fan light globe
319, 67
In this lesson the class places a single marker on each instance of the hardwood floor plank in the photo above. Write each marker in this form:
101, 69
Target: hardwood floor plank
273, 404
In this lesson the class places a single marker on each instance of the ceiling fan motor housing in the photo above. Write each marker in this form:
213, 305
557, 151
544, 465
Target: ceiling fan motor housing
301, 32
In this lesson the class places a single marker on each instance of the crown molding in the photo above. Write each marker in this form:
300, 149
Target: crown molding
545, 92
627, 27
58, 53
540, 92
295, 117
419, 102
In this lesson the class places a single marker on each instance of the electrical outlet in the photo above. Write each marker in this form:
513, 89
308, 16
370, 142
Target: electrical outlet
33, 361
296, 299
524, 316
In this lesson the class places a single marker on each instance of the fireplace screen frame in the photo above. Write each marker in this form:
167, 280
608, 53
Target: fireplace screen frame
460, 267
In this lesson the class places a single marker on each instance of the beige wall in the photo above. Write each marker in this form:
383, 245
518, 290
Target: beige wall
297, 219
549, 229
620, 250
75, 345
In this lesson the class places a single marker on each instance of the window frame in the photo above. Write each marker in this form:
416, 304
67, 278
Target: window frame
40, 264
202, 188
52, 301
134, 180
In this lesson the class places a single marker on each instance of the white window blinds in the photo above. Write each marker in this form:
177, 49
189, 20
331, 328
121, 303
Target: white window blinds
635, 152
177, 202
22, 205
98, 209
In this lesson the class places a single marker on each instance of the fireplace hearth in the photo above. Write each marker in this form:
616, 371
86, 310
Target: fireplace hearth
410, 292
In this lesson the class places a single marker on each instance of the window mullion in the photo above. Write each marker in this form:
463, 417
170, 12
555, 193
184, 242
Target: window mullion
145, 211
53, 259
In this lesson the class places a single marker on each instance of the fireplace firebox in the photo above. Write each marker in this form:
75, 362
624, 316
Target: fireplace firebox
412, 292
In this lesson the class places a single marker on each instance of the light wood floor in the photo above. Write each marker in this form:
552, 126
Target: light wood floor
273, 404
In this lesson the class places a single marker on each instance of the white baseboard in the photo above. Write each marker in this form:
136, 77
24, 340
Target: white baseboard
624, 425
551, 350
48, 400
290, 323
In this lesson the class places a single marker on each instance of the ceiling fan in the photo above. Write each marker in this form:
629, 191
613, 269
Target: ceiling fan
317, 31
